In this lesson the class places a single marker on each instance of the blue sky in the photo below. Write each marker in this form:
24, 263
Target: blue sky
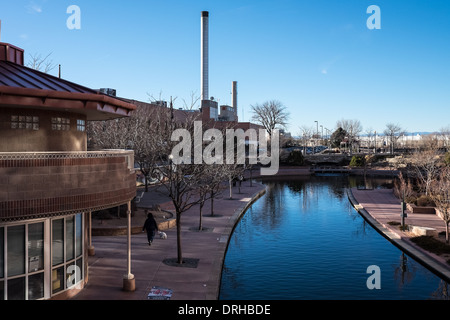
317, 57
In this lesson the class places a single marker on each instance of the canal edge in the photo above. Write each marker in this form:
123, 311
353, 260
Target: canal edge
422, 256
216, 273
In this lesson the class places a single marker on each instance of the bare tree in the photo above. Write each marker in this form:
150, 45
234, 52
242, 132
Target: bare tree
393, 132
353, 129
144, 132
209, 185
215, 184
403, 188
39, 63
426, 165
440, 193
180, 181
306, 134
271, 115
149, 132
444, 135
370, 133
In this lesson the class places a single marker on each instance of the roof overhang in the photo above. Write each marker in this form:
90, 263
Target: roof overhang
94, 106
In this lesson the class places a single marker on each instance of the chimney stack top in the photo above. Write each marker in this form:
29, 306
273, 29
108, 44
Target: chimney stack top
11, 53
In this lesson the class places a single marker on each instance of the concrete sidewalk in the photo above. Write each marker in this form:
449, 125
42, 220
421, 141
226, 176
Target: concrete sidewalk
380, 206
109, 265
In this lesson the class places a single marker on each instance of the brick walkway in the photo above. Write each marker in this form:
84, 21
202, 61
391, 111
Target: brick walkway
108, 266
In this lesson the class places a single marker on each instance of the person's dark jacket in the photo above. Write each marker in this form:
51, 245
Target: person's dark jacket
150, 224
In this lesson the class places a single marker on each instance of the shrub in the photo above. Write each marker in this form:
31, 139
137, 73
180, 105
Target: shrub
357, 161
447, 158
295, 158
424, 201
430, 244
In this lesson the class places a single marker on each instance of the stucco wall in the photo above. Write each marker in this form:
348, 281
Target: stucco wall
42, 137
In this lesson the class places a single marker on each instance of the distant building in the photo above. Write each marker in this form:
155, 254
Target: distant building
49, 183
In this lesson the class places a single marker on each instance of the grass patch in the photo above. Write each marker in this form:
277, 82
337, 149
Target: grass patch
431, 244
394, 223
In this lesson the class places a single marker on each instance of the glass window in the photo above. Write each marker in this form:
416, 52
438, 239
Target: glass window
36, 286
81, 125
25, 122
16, 250
35, 247
57, 280
57, 242
70, 243
60, 124
79, 234
2, 256
80, 267
72, 275
16, 288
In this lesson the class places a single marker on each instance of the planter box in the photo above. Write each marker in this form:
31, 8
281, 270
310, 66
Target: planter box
424, 210
422, 231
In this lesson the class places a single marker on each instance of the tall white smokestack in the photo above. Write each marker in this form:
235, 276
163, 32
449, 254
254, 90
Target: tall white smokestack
204, 55
234, 98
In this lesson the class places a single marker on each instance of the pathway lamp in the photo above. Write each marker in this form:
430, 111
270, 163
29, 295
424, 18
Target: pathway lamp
403, 214
317, 134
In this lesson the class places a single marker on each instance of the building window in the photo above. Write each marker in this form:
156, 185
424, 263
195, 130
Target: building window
27, 252
67, 252
16, 245
61, 124
2, 256
25, 122
81, 125
23, 248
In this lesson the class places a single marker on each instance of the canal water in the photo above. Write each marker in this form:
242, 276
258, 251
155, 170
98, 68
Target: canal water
303, 240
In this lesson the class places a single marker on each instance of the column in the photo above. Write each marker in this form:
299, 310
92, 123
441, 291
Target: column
91, 249
128, 279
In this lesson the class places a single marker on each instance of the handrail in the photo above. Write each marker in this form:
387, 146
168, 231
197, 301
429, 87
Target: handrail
50, 155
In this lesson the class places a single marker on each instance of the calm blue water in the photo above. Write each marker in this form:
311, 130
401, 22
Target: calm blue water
303, 240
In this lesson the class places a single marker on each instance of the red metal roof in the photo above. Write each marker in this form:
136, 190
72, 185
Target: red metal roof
15, 75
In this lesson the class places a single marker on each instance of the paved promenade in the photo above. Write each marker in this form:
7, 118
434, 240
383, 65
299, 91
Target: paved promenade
108, 266
380, 206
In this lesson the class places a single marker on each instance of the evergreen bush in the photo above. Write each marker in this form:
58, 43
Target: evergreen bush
357, 161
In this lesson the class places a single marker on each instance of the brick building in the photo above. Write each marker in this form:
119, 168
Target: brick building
49, 182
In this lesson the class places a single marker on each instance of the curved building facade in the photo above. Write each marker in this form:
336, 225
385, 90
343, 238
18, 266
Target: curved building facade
49, 182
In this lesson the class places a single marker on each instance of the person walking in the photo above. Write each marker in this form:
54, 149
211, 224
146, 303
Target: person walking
151, 227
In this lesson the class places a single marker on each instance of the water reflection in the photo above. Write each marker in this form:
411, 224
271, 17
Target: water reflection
303, 240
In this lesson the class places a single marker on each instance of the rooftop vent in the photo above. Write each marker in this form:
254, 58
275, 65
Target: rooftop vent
108, 91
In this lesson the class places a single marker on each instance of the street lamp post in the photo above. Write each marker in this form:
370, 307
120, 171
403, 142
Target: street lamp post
321, 138
317, 134
403, 214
